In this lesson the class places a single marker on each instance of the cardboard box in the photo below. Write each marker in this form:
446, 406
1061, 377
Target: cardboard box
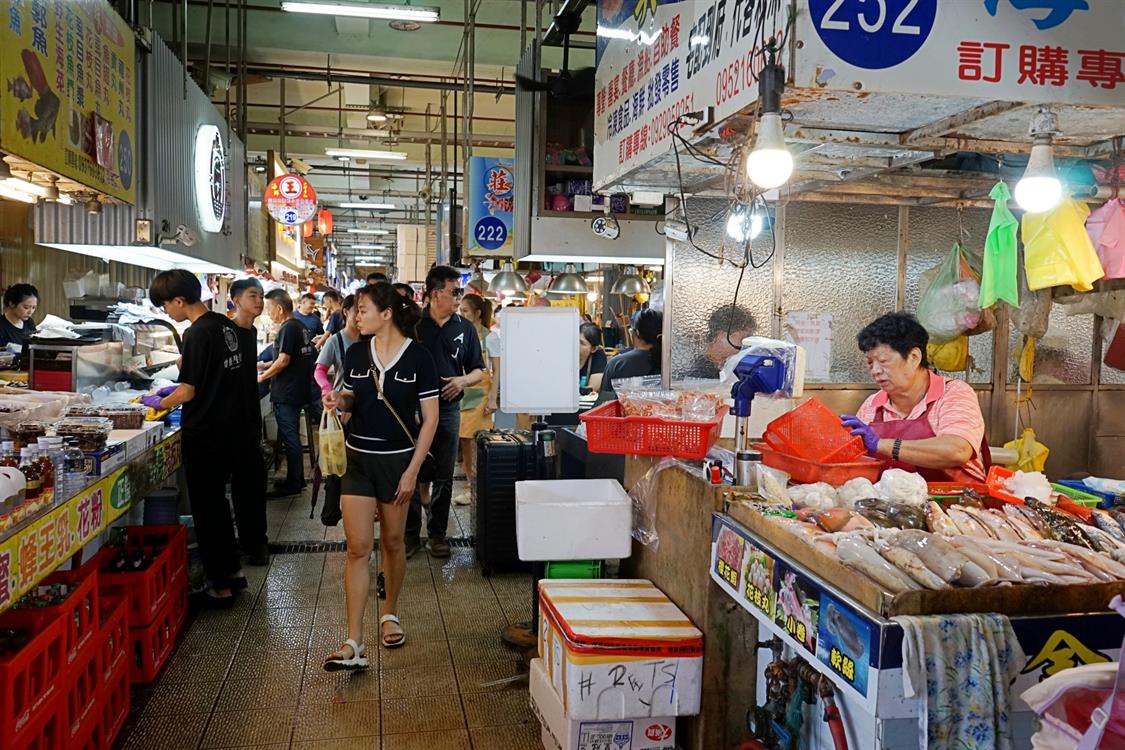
561, 732
619, 649
154, 433
106, 461
136, 441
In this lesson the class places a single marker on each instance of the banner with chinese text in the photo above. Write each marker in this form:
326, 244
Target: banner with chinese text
491, 195
68, 100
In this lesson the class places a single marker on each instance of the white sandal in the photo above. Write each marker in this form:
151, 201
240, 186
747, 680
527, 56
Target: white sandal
357, 660
383, 636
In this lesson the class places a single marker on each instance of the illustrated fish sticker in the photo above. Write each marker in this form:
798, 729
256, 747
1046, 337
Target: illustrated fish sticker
845, 632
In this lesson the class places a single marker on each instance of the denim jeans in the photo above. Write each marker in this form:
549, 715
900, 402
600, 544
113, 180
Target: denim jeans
444, 450
288, 417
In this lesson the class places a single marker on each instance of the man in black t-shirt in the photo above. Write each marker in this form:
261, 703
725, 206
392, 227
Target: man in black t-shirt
213, 401
292, 389
248, 485
455, 347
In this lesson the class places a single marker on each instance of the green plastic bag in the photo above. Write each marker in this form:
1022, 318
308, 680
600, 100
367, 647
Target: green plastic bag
998, 279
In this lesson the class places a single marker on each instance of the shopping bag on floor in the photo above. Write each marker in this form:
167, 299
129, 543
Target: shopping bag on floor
333, 455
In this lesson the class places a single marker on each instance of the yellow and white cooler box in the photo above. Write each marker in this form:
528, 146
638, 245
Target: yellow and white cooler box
560, 732
618, 649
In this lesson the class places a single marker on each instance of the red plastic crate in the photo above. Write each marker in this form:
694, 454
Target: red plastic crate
148, 589
609, 431
803, 471
114, 705
996, 475
113, 640
151, 645
813, 432
90, 737
81, 689
45, 732
30, 681
80, 609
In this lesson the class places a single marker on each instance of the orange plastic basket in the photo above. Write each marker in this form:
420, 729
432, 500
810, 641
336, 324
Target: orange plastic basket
608, 431
813, 432
804, 471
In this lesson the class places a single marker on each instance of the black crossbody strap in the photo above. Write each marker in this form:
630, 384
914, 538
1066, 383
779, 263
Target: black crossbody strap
386, 401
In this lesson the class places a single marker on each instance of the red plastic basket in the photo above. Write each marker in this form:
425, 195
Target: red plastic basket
114, 705
45, 731
151, 644
113, 641
80, 609
804, 471
30, 681
609, 431
812, 431
81, 686
148, 589
996, 476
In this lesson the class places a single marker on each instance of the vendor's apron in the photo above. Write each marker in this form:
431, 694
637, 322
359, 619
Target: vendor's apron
920, 429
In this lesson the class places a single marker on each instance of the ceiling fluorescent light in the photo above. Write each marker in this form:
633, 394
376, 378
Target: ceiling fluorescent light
145, 256
25, 186
363, 153
419, 14
369, 231
16, 195
577, 258
371, 206
368, 247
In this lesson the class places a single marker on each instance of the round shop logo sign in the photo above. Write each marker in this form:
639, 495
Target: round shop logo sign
873, 34
210, 178
658, 732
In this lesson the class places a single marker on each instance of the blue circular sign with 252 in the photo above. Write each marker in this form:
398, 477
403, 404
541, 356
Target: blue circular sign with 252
490, 233
873, 34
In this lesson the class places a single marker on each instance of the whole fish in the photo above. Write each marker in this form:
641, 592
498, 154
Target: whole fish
1107, 523
937, 554
844, 631
1094, 562
999, 525
938, 521
891, 514
912, 565
832, 519
1062, 528
1030, 518
968, 524
992, 564
1020, 523
1101, 540
1118, 516
857, 553
970, 498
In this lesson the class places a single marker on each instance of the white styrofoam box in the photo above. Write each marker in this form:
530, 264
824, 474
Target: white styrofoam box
561, 732
619, 649
573, 519
154, 432
136, 441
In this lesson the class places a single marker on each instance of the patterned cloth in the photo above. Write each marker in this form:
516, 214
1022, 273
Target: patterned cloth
964, 666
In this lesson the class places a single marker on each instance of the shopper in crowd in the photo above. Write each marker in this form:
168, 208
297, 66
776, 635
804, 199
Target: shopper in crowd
375, 277
726, 327
248, 484
308, 315
211, 390
918, 421
642, 359
500, 420
455, 347
387, 380
332, 304
591, 358
291, 376
474, 415
20, 303
329, 376
405, 290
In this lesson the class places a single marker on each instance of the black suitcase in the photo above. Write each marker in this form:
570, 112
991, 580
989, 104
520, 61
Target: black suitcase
503, 458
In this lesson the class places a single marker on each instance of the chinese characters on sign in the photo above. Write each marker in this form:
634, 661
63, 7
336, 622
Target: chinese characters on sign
290, 199
1039, 66
491, 200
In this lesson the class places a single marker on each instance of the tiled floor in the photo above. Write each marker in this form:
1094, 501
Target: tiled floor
252, 676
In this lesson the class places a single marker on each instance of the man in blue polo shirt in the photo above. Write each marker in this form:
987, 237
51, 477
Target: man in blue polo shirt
455, 347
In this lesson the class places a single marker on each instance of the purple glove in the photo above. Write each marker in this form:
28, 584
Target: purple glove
152, 401
166, 391
859, 427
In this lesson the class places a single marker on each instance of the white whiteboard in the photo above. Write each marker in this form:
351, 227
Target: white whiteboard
539, 360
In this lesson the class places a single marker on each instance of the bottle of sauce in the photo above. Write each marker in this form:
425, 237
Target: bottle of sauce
8, 456
46, 471
32, 472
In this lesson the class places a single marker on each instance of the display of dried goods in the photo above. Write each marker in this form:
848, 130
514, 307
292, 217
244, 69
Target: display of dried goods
91, 432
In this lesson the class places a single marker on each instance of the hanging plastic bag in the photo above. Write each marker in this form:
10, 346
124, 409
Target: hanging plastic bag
1031, 455
949, 303
333, 454
1106, 227
1026, 360
1057, 250
1001, 256
951, 356
1034, 312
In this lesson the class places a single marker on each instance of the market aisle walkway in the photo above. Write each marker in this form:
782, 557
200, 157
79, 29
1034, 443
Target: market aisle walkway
252, 676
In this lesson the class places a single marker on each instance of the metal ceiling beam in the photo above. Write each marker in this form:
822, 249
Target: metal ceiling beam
484, 140
958, 120
330, 76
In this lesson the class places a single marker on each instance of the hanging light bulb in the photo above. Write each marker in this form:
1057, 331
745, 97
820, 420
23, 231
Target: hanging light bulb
745, 223
1039, 189
770, 164
508, 281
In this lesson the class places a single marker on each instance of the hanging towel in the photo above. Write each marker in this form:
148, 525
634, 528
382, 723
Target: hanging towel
1106, 227
960, 666
998, 279
1057, 251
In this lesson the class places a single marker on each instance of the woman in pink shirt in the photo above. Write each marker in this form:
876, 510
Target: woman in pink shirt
919, 420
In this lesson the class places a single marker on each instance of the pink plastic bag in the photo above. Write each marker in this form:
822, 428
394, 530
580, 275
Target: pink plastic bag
1106, 227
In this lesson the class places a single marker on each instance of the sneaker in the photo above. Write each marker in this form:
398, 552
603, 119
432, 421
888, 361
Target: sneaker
438, 547
413, 544
464, 497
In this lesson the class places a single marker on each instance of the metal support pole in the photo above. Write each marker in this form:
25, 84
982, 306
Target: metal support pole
281, 122
183, 47
207, 50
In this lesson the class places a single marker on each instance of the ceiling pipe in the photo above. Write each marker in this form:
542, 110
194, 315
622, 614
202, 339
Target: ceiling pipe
362, 134
334, 77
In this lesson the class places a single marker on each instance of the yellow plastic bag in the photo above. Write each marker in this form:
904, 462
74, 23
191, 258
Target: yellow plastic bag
333, 453
1057, 250
952, 356
1031, 455
1027, 359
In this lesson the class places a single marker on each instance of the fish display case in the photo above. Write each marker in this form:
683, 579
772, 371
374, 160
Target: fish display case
841, 623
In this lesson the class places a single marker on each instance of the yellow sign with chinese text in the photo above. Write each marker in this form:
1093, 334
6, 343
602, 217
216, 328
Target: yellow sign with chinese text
68, 98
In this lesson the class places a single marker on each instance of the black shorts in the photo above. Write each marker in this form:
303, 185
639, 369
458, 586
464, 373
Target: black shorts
374, 474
